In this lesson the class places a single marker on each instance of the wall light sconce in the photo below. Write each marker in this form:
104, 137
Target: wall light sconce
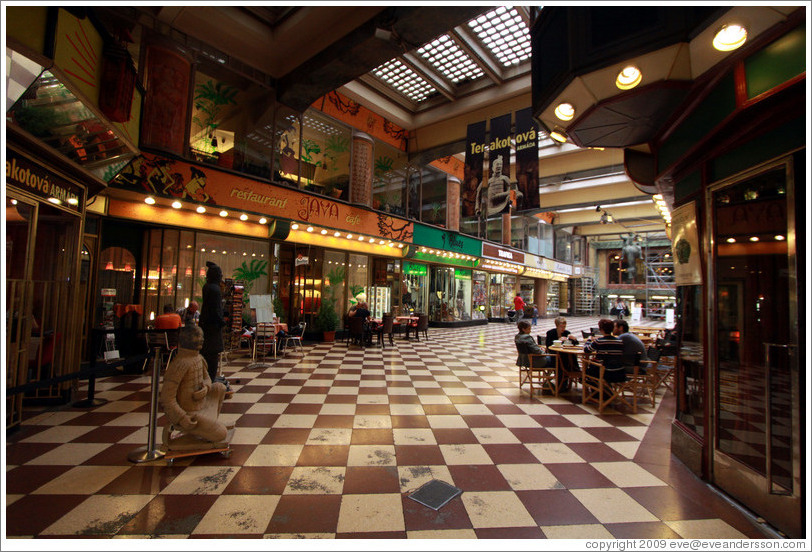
628, 78
730, 37
559, 135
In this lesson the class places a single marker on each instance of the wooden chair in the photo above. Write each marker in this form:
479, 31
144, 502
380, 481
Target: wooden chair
601, 392
386, 328
538, 378
264, 340
356, 334
645, 380
166, 340
296, 339
663, 367
422, 326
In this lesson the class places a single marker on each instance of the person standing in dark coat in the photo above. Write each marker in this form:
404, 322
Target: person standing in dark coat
211, 319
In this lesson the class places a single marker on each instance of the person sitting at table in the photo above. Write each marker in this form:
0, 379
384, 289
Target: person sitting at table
526, 345
568, 362
362, 311
608, 350
169, 320
190, 314
633, 349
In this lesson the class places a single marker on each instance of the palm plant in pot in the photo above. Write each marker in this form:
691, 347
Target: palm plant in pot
327, 318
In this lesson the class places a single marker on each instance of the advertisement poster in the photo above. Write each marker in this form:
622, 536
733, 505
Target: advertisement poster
474, 157
685, 246
527, 160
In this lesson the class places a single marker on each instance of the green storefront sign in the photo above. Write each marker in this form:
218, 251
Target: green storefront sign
414, 269
462, 274
445, 240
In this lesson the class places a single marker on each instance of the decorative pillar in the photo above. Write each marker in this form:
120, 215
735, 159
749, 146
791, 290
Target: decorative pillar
362, 165
506, 228
452, 203
168, 77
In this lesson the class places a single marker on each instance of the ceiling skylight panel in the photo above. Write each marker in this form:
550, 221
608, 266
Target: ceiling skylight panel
444, 54
404, 80
504, 32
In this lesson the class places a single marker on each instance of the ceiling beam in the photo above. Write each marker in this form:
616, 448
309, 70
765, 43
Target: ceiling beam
416, 64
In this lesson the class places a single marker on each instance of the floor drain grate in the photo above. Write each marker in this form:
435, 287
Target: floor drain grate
435, 494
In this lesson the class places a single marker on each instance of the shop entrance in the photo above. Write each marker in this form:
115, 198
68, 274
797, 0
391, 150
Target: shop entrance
757, 447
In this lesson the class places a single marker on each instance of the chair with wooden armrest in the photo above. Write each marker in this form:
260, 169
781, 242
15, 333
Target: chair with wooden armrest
537, 378
603, 393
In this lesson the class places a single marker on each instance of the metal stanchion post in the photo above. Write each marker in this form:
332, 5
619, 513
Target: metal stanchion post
148, 453
91, 399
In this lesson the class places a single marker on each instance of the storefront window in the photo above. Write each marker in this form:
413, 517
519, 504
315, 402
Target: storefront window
552, 298
286, 147
389, 177
325, 155
357, 280
385, 285
449, 294
508, 292
545, 240
527, 289
415, 287
495, 297
691, 386
335, 275
434, 197
479, 295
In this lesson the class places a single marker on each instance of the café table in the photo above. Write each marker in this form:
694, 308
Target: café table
582, 356
406, 322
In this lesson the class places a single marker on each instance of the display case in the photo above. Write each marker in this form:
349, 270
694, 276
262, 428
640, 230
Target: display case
479, 295
380, 300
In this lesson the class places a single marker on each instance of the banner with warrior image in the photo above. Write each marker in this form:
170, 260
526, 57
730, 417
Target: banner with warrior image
474, 157
527, 160
495, 195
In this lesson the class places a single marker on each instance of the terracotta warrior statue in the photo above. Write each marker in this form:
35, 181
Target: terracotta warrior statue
190, 400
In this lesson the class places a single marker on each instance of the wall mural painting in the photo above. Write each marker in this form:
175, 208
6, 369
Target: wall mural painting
357, 116
395, 229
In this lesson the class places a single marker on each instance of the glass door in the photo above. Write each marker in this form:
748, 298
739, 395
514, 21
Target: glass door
756, 445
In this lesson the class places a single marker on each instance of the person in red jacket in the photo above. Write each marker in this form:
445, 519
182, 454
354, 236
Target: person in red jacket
518, 304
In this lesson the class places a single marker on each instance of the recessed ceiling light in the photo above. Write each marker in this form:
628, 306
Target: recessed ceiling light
753, 238
263, 220
55, 200
200, 209
628, 78
337, 234
731, 240
309, 228
730, 37
565, 111
223, 213
360, 238
243, 217
349, 236
779, 237
177, 205
323, 232
73, 201
294, 226
149, 200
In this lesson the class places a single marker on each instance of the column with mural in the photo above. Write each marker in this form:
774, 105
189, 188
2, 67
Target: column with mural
361, 174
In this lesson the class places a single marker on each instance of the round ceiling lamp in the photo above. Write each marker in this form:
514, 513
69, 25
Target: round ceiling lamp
730, 37
565, 111
628, 78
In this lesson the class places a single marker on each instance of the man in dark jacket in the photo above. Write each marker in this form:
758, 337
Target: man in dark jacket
211, 319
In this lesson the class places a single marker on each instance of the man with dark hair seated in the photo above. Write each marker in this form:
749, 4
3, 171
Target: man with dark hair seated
526, 345
633, 349
608, 350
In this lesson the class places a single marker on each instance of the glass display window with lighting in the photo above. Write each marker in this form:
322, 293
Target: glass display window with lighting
383, 293
415, 288
449, 294
479, 295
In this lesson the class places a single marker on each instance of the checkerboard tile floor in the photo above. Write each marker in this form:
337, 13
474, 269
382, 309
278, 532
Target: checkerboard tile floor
329, 442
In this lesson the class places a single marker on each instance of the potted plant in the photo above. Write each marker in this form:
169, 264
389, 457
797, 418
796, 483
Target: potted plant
309, 148
210, 99
327, 318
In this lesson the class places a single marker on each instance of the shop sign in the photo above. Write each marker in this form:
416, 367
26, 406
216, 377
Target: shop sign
163, 177
533, 261
556, 266
301, 260
494, 252
462, 274
414, 269
500, 266
445, 240
41, 182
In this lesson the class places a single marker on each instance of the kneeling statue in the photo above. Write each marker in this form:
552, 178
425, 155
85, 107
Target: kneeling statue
191, 401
